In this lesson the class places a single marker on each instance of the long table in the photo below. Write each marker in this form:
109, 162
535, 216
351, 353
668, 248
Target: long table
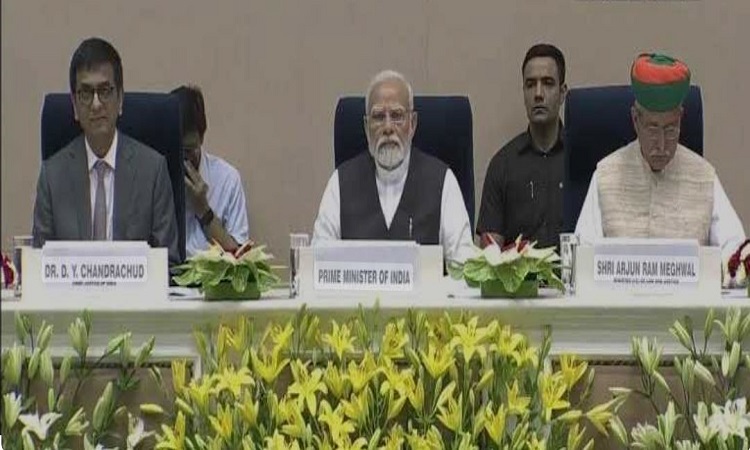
596, 328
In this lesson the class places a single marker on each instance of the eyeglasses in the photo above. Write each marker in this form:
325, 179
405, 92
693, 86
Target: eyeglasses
105, 93
670, 133
378, 118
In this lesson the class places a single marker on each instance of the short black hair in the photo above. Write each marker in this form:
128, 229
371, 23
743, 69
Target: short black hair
94, 52
192, 109
546, 51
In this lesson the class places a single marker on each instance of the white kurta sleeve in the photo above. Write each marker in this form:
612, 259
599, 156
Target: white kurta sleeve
726, 229
589, 226
455, 231
328, 222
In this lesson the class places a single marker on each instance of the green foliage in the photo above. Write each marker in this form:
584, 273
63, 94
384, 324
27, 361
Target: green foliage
209, 268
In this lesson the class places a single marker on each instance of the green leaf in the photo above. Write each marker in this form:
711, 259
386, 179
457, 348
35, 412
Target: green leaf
240, 278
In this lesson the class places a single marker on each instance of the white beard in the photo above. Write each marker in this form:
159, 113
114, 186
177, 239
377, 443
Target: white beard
388, 154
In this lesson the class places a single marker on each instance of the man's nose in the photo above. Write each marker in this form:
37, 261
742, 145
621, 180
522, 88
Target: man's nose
538, 92
95, 101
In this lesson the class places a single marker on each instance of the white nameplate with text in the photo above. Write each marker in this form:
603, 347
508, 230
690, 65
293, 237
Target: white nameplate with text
94, 263
365, 266
654, 264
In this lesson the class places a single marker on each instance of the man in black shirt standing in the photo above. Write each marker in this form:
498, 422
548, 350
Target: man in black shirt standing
523, 187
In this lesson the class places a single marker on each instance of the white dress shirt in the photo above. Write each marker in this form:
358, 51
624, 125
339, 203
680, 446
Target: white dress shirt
455, 232
726, 229
226, 197
109, 180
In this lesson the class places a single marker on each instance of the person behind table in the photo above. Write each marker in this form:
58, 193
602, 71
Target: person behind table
394, 191
103, 185
216, 210
522, 192
654, 187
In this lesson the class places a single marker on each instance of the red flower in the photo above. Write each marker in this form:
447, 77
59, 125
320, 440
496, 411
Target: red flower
734, 261
8, 273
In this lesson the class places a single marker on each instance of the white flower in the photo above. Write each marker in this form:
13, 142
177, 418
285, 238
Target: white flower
39, 426
11, 408
731, 419
136, 432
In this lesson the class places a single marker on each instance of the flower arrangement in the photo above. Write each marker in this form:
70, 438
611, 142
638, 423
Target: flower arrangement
243, 274
738, 266
442, 383
9, 273
514, 270
685, 423
33, 420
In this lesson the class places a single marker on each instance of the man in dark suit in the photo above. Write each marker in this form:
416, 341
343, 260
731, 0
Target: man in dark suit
104, 185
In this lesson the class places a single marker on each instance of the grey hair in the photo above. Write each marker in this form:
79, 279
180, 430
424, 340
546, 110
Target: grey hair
388, 75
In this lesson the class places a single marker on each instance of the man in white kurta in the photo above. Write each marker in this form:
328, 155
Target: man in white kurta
654, 187
395, 191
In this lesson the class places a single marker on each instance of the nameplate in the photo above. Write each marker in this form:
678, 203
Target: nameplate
94, 263
658, 264
365, 266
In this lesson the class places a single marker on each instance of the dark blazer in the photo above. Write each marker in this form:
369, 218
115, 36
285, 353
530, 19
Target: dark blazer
143, 203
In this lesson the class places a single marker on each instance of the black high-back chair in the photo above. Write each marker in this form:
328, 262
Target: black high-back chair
149, 117
444, 130
598, 122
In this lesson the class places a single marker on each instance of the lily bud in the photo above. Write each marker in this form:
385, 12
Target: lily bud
145, 352
44, 335
708, 327
34, 363
103, 408
22, 331
65, 368
14, 365
734, 359
51, 399
679, 332
615, 424
78, 337
704, 374
151, 408
46, 369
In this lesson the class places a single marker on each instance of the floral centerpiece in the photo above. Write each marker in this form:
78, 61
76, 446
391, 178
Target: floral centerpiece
9, 273
222, 275
514, 270
738, 266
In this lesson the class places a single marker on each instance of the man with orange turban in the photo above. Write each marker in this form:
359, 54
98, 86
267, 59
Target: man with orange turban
654, 187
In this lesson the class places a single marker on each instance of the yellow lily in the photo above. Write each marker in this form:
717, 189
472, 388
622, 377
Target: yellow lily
552, 388
361, 374
233, 381
572, 369
200, 392
395, 405
282, 337
437, 360
451, 414
337, 423
178, 375
395, 380
306, 385
278, 442
248, 409
336, 380
223, 422
357, 407
495, 423
507, 342
415, 392
516, 404
470, 338
173, 439
267, 366
600, 416
339, 340
295, 426
394, 440
394, 340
